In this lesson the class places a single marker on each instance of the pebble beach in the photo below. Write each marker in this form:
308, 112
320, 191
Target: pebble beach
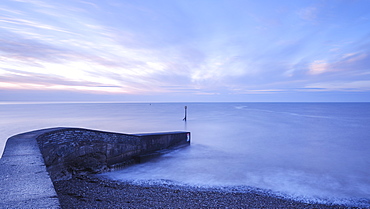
95, 192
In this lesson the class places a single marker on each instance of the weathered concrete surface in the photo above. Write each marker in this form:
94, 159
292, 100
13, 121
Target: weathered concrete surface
24, 180
32, 160
72, 151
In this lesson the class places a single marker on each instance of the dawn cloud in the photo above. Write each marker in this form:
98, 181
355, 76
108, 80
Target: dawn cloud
222, 48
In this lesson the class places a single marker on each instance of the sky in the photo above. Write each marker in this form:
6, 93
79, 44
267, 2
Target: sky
185, 50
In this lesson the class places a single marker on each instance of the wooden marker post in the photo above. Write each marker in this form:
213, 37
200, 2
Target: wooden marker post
186, 107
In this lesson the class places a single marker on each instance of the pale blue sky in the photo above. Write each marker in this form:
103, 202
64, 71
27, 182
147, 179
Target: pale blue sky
184, 50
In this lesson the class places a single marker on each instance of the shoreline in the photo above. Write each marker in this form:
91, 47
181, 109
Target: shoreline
23, 156
96, 192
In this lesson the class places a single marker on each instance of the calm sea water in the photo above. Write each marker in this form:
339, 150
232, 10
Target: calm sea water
311, 151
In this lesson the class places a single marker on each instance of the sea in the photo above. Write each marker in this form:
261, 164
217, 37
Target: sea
312, 152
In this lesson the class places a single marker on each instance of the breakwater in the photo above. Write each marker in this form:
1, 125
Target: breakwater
32, 160
74, 150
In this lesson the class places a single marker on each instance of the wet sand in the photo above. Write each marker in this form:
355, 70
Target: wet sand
94, 192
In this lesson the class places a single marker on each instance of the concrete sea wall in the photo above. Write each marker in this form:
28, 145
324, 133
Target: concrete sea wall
32, 160
24, 180
73, 150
